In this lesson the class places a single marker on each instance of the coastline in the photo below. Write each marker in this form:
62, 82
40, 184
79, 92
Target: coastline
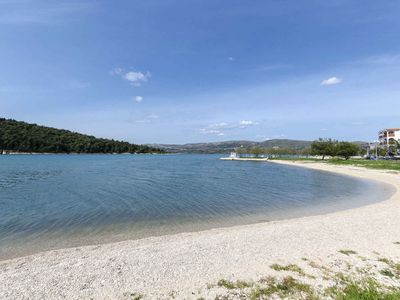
186, 263
244, 158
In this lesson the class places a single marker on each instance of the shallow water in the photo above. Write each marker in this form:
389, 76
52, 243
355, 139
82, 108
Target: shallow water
55, 201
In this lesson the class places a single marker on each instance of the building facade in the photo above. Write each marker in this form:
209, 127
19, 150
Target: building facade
388, 136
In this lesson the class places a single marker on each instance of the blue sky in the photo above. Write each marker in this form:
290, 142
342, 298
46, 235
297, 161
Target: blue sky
172, 71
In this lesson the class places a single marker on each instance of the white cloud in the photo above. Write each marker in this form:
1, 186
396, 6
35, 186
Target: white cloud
147, 119
219, 128
138, 98
212, 131
153, 116
135, 78
116, 71
331, 81
246, 123
230, 58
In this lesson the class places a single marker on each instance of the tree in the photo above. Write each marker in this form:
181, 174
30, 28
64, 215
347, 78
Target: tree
257, 151
346, 149
323, 147
394, 147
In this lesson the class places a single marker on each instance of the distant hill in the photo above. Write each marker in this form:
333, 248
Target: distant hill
228, 146
16, 136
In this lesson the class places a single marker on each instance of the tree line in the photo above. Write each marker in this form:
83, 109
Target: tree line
24, 137
320, 147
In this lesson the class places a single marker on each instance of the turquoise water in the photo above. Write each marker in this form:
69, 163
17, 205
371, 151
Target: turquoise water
54, 201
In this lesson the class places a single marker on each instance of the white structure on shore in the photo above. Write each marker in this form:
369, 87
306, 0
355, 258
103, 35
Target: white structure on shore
233, 155
388, 135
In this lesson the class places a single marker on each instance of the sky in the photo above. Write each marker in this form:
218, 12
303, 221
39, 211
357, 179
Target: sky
180, 71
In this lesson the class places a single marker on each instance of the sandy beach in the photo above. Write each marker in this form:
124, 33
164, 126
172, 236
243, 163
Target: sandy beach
188, 265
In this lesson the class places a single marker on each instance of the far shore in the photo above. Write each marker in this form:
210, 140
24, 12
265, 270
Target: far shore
201, 264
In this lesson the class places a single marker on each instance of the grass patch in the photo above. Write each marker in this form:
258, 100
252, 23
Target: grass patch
226, 284
394, 267
387, 272
230, 285
135, 296
290, 267
359, 162
288, 287
367, 290
371, 164
347, 252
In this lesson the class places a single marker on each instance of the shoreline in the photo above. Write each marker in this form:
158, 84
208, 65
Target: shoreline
188, 262
244, 158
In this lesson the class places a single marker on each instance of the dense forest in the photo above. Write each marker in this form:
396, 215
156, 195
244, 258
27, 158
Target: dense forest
19, 136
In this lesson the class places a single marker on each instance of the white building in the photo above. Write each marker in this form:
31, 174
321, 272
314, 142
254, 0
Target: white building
388, 135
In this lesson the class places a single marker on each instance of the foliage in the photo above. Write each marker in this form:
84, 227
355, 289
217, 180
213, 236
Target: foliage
24, 137
323, 147
329, 147
346, 149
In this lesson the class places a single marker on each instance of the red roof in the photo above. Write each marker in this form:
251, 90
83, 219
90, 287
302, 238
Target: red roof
391, 129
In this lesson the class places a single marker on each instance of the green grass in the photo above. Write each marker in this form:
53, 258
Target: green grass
394, 267
359, 162
387, 272
290, 267
347, 252
368, 290
371, 164
226, 284
287, 287
232, 285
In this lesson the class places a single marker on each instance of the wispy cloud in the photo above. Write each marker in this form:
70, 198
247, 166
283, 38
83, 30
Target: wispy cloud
147, 119
138, 98
231, 58
273, 67
384, 59
212, 131
77, 84
135, 78
41, 12
331, 81
219, 128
